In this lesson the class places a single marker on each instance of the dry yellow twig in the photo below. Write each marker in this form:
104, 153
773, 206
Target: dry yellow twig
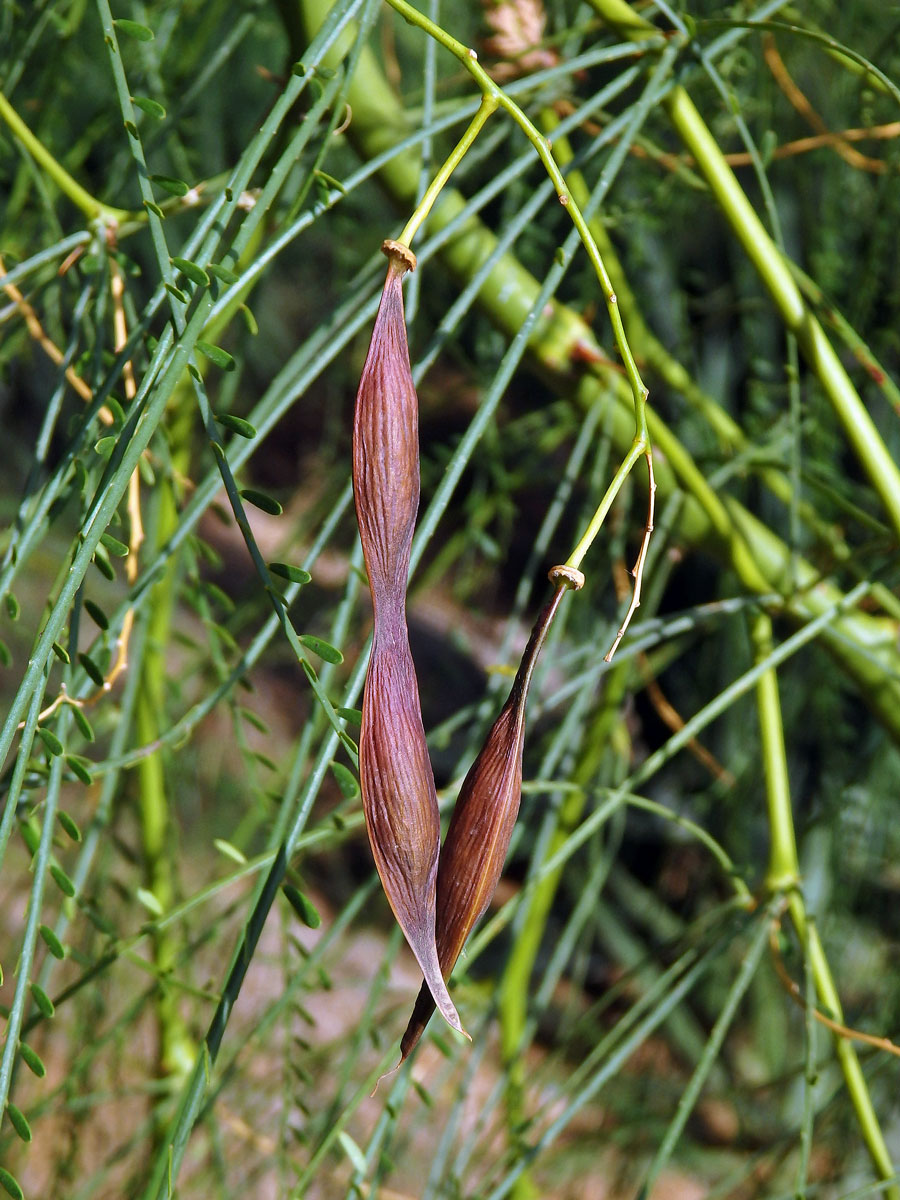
120, 327
46, 343
673, 719
793, 990
675, 162
796, 97
136, 530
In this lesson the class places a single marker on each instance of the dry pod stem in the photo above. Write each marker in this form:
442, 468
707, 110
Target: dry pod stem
396, 779
474, 850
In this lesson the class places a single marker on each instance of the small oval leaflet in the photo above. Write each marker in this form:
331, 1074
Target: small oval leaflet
69, 824
229, 851
115, 407
353, 1152
152, 206
255, 720
149, 901
190, 270
152, 108
113, 545
262, 500
103, 565
11, 1184
346, 781
6, 656
51, 741
236, 425
18, 1121
42, 1000
12, 606
97, 615
225, 274
62, 881
302, 906
249, 320
175, 187
134, 29
87, 730
61, 653
79, 768
32, 1060
91, 669
52, 942
353, 716
216, 355
325, 650
292, 574
176, 292
30, 836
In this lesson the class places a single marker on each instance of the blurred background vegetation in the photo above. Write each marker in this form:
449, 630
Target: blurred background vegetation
202, 981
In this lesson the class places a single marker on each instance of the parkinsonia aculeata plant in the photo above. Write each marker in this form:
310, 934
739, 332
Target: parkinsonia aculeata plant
439, 894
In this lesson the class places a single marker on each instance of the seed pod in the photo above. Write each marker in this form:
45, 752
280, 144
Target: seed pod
396, 779
474, 850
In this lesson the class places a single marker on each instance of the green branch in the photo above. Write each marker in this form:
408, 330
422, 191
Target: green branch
92, 208
775, 273
784, 875
560, 341
497, 98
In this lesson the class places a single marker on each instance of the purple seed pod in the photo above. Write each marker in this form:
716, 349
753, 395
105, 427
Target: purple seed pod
474, 850
396, 779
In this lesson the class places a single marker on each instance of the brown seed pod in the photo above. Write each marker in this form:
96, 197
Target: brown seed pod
396, 779
474, 850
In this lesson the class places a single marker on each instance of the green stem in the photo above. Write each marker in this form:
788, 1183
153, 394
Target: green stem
92, 208
492, 97
775, 273
784, 874
177, 1050
862, 644
652, 354
488, 105
489, 89
638, 449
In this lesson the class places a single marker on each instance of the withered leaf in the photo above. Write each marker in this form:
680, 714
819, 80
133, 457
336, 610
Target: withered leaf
474, 850
396, 779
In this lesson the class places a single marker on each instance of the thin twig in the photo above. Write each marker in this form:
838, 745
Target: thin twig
120, 326
670, 716
793, 990
46, 343
791, 149
798, 100
638, 569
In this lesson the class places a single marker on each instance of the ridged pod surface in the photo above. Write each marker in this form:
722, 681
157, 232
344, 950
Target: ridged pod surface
474, 850
396, 779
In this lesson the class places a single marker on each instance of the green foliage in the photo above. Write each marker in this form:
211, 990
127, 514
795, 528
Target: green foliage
180, 673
